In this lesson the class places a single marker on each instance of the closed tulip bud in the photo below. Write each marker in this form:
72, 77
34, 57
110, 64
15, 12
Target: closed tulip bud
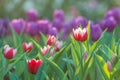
58, 45
43, 26
18, 25
96, 32
85, 56
115, 12
32, 28
51, 40
80, 34
59, 14
45, 50
81, 21
53, 31
109, 65
114, 56
34, 65
27, 47
32, 15
109, 24
9, 52
52, 51
57, 24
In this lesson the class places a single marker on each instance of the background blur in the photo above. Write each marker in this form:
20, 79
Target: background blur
91, 9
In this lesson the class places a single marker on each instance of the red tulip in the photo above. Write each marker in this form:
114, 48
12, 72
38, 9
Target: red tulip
9, 52
80, 34
45, 50
58, 45
27, 47
51, 40
33, 65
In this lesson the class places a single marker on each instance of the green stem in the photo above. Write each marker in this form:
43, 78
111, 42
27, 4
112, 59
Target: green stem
81, 60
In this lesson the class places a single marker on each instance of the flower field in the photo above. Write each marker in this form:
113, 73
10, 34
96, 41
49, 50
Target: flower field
32, 48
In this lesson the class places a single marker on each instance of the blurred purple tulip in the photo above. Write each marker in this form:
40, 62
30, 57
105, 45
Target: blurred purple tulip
53, 31
79, 21
96, 32
57, 24
43, 26
2, 29
67, 28
115, 12
108, 23
59, 15
32, 28
18, 25
32, 15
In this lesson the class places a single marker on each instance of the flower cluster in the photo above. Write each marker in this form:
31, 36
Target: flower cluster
33, 65
51, 41
33, 26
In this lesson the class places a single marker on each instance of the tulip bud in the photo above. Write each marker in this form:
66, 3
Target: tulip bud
51, 40
85, 56
96, 32
32, 28
43, 26
32, 15
115, 12
51, 52
9, 52
58, 45
33, 65
45, 50
80, 34
81, 21
27, 47
18, 25
59, 14
109, 65
114, 56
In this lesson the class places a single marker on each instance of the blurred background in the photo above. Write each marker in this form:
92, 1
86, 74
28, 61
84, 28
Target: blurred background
91, 9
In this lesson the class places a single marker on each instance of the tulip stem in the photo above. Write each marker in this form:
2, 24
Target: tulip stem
80, 44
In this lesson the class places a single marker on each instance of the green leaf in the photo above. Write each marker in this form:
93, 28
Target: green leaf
13, 76
103, 67
56, 68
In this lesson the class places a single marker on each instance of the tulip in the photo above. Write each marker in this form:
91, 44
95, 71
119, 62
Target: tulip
9, 52
96, 32
58, 45
81, 21
18, 25
45, 50
52, 51
27, 47
115, 12
51, 40
85, 56
80, 34
32, 28
57, 24
59, 14
34, 65
109, 65
32, 15
53, 31
43, 26
2, 29
114, 57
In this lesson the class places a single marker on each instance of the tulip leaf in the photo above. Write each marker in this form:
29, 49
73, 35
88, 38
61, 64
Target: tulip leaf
103, 67
13, 76
56, 68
